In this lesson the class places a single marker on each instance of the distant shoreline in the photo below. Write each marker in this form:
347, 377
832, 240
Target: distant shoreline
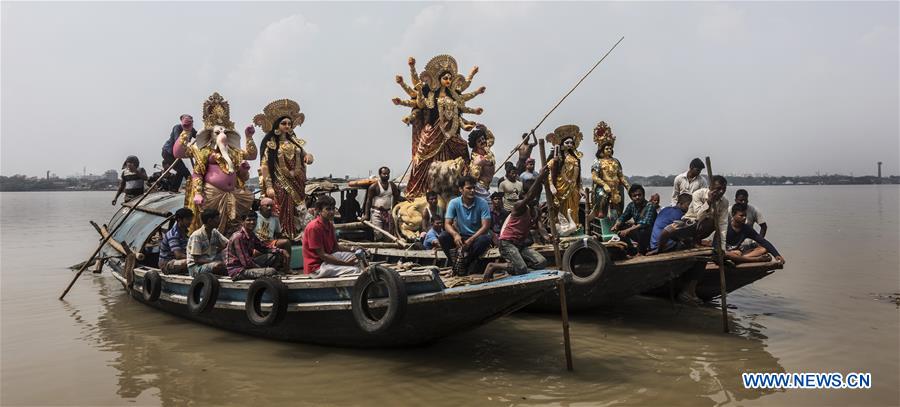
22, 184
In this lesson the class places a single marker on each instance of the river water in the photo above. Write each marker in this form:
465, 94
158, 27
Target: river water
825, 312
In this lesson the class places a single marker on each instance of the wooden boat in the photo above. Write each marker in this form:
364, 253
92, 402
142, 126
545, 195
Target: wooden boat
616, 281
736, 276
398, 308
597, 279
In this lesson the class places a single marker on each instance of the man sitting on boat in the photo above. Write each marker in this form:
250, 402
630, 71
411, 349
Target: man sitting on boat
738, 231
431, 238
322, 255
172, 256
665, 225
467, 227
206, 246
239, 259
754, 216
498, 215
636, 222
515, 237
268, 227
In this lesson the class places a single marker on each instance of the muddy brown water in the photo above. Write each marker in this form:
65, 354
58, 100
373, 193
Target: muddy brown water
829, 310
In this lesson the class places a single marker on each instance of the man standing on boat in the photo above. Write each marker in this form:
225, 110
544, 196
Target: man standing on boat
206, 245
181, 171
239, 259
467, 226
698, 223
380, 199
322, 255
689, 181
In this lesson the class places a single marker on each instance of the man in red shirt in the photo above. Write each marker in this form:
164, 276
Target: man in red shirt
322, 255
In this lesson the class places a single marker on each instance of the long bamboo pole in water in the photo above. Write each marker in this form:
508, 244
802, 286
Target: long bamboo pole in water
561, 286
720, 255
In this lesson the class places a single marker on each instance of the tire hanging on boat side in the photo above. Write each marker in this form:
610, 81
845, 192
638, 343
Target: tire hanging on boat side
203, 293
151, 286
253, 306
599, 251
396, 299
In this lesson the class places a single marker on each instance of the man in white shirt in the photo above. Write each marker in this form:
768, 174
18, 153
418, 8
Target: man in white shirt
697, 223
689, 181
754, 216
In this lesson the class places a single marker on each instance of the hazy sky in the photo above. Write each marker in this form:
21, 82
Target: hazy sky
777, 88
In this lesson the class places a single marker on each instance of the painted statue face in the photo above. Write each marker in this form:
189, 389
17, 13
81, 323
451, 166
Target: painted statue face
219, 134
446, 80
285, 125
187, 121
568, 144
608, 151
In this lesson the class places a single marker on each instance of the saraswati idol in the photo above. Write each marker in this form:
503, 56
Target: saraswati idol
283, 162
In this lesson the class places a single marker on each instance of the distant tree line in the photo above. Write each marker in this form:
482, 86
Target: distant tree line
109, 181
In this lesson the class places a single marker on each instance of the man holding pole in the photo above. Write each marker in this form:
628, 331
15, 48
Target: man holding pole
698, 223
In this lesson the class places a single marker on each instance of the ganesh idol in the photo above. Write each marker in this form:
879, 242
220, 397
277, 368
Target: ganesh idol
220, 166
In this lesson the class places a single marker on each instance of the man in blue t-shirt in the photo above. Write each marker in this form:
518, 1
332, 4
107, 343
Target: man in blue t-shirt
467, 225
666, 217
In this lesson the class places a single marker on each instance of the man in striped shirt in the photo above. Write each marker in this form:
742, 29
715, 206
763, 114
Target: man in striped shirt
239, 259
172, 255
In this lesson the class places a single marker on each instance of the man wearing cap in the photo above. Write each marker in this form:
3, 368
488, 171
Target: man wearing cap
689, 181
181, 171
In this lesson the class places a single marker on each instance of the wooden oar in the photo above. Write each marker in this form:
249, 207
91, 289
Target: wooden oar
551, 213
720, 255
108, 237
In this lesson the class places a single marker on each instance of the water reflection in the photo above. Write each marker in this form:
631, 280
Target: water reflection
648, 352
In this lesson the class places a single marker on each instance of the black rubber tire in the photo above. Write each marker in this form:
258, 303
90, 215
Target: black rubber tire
599, 251
397, 299
203, 293
277, 291
151, 286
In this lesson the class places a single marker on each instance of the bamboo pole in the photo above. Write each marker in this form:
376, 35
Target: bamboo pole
119, 247
107, 238
563, 306
559, 103
384, 232
551, 209
720, 256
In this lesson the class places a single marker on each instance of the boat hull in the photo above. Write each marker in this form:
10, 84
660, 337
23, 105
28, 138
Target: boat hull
324, 315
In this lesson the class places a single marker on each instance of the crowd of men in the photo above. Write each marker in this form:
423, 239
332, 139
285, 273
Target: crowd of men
464, 230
